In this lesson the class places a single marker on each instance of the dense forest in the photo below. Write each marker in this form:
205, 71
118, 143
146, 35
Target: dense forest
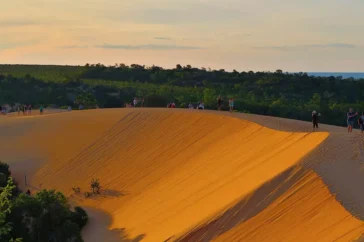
268, 93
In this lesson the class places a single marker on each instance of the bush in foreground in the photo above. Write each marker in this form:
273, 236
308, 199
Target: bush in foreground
79, 217
45, 217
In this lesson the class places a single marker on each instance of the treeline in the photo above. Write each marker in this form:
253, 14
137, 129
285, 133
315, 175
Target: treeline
44, 217
267, 93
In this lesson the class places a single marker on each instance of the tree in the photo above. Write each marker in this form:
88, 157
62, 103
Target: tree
5, 210
45, 217
86, 99
4, 169
209, 97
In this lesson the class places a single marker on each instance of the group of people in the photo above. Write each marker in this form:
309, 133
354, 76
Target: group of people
135, 102
27, 109
171, 105
199, 105
352, 118
220, 103
2, 110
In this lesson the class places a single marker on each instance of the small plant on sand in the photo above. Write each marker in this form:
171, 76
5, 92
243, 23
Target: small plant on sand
87, 194
76, 189
95, 186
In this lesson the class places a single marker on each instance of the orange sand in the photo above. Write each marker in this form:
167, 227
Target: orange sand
165, 173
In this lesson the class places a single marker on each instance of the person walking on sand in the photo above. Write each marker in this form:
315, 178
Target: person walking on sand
190, 106
315, 120
30, 109
135, 102
350, 118
219, 103
142, 102
231, 104
41, 109
361, 122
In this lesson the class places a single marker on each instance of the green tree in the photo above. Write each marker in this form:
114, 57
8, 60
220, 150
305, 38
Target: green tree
44, 217
5, 209
209, 97
86, 99
4, 173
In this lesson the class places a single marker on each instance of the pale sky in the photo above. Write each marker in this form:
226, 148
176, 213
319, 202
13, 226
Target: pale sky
258, 35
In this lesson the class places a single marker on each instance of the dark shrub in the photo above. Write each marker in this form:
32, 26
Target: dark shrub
79, 217
4, 174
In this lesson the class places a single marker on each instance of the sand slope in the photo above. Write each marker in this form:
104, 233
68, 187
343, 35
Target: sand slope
166, 173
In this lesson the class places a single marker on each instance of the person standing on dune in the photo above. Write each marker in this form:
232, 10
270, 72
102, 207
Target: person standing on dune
361, 122
219, 103
41, 109
135, 102
231, 104
30, 109
350, 118
315, 120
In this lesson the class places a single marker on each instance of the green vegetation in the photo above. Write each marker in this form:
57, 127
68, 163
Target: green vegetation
46, 216
266, 93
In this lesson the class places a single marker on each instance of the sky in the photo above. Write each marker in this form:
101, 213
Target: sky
258, 35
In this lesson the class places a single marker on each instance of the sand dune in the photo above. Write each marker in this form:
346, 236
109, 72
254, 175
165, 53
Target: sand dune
186, 175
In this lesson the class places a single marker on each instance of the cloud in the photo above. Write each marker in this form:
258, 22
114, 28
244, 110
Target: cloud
162, 38
16, 23
74, 47
14, 44
305, 47
233, 34
148, 47
185, 13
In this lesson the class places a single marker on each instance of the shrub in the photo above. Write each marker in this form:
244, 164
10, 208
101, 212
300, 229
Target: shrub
95, 186
87, 194
46, 216
79, 217
76, 189
2, 179
4, 169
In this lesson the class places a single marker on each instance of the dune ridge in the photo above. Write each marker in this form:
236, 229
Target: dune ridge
167, 174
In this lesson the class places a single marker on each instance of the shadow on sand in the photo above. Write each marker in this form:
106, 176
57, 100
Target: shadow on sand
98, 229
247, 208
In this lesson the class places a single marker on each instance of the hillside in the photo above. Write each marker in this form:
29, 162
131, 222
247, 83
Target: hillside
289, 95
177, 174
